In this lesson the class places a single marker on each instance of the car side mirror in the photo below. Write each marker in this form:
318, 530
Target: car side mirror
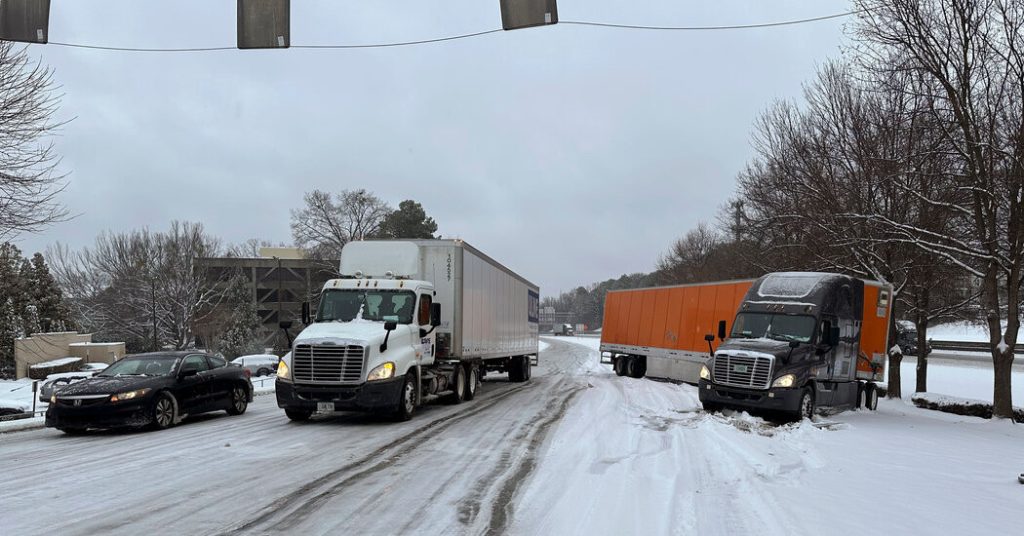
307, 319
721, 330
187, 373
435, 315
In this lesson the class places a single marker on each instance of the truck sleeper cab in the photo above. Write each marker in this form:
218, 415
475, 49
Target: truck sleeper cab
410, 322
801, 342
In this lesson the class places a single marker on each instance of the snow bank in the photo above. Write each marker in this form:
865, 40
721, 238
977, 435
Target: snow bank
960, 331
64, 361
960, 406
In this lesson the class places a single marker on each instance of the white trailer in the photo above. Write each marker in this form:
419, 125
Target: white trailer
409, 321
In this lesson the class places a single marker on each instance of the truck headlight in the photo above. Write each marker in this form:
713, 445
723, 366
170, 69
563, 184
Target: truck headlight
705, 373
384, 371
130, 395
282, 370
787, 380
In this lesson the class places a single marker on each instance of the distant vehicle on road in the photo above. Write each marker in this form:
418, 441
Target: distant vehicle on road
906, 338
54, 382
156, 389
258, 364
563, 330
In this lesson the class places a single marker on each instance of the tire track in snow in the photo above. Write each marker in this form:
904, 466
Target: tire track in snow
294, 508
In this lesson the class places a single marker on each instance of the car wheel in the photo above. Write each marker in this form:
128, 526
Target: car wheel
407, 402
239, 400
165, 411
298, 415
806, 408
472, 382
263, 372
458, 386
871, 397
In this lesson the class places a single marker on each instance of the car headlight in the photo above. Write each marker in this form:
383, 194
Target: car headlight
129, 395
383, 371
787, 380
705, 373
53, 398
282, 370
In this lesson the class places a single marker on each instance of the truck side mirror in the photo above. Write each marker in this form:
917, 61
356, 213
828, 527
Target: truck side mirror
709, 337
721, 330
306, 317
833, 336
390, 326
435, 315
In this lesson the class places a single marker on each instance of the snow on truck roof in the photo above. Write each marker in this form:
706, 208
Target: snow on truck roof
792, 284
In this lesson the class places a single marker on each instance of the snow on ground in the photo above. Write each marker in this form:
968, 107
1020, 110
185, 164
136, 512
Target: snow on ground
17, 394
960, 331
577, 450
963, 379
638, 457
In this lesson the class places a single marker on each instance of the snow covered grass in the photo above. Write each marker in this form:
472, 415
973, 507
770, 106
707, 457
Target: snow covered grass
960, 406
17, 394
963, 379
639, 457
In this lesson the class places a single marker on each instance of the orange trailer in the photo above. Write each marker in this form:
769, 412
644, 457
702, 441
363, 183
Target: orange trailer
668, 325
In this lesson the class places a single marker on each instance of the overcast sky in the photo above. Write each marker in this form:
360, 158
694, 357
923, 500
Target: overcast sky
571, 154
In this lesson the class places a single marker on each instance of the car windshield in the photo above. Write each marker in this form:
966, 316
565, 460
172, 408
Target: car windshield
141, 366
773, 326
374, 305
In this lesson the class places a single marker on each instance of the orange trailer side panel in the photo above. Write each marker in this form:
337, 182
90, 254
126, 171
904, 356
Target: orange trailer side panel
675, 318
874, 331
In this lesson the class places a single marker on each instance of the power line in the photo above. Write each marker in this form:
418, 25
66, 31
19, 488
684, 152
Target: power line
710, 28
477, 34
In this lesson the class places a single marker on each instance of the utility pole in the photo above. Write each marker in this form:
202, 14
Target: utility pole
737, 226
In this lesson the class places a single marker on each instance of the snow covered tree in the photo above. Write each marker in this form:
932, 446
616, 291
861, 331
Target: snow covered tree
241, 335
9, 330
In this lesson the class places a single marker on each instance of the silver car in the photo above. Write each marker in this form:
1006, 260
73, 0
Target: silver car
54, 382
259, 364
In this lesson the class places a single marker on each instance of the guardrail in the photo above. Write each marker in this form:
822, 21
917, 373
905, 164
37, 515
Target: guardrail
960, 346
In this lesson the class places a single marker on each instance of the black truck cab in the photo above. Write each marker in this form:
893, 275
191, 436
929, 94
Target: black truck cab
793, 348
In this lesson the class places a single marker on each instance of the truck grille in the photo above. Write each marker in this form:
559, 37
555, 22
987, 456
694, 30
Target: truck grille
324, 363
743, 371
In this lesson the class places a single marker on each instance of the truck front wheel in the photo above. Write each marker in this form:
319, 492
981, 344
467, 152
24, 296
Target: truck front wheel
407, 402
806, 408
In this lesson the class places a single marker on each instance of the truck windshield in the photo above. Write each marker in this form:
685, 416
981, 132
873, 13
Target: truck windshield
773, 326
376, 305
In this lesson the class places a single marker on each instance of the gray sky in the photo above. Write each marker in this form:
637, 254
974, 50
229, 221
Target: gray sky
571, 154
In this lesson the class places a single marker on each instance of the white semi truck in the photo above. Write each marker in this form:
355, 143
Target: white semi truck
408, 322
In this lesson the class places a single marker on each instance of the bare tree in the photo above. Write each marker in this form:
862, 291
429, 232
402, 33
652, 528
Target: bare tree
970, 53
325, 224
29, 181
144, 287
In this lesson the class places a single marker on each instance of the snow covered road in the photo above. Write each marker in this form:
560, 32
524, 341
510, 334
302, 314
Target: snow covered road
575, 451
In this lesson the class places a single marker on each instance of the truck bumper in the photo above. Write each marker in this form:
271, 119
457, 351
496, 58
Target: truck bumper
366, 397
787, 400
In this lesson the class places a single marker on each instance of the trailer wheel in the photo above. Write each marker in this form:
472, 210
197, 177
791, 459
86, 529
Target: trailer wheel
472, 381
637, 367
871, 397
458, 386
621, 365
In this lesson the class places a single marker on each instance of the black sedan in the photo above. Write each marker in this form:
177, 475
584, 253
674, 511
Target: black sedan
155, 390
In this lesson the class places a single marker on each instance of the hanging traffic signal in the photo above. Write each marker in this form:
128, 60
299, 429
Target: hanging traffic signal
516, 14
27, 21
264, 24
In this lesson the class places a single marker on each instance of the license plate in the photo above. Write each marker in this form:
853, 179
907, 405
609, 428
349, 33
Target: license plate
324, 407
742, 369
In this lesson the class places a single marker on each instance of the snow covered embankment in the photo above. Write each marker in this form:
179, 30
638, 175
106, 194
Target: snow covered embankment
960, 406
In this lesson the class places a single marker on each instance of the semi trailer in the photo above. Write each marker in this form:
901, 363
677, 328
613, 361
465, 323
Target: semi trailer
791, 342
408, 322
